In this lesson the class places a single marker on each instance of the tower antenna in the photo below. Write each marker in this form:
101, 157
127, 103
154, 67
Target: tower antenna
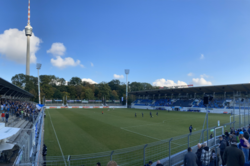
28, 33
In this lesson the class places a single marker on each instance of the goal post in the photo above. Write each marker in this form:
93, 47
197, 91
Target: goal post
237, 118
219, 131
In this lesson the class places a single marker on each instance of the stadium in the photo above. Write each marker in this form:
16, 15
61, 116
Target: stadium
84, 133
139, 83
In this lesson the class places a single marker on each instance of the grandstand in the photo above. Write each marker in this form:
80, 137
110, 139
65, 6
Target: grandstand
17, 147
192, 97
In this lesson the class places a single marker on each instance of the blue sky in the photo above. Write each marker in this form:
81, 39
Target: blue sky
161, 42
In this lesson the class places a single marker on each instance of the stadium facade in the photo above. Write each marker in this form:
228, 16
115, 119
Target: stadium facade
226, 98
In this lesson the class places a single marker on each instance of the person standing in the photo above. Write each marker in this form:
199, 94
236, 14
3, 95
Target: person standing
244, 146
205, 155
190, 128
6, 117
222, 147
190, 158
233, 156
157, 113
150, 114
3, 115
142, 114
135, 115
198, 154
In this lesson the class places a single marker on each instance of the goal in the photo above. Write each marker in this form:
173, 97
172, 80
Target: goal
218, 132
237, 118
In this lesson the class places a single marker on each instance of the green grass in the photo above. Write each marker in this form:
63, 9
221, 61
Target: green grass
84, 131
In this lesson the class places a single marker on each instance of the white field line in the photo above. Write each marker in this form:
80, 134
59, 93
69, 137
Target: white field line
144, 125
57, 140
140, 134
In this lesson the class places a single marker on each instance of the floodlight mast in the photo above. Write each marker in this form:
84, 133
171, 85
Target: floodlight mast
126, 72
38, 67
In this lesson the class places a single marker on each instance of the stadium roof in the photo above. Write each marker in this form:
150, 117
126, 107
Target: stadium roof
9, 89
199, 89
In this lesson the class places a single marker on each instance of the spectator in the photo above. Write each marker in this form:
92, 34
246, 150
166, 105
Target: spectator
211, 135
205, 155
233, 156
190, 158
159, 163
3, 115
214, 157
198, 154
112, 163
98, 164
149, 163
244, 146
6, 117
246, 135
222, 147
248, 129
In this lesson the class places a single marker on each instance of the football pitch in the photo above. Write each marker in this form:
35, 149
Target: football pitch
84, 131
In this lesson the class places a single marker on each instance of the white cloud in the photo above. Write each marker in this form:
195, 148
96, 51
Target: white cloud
118, 76
62, 63
13, 45
57, 49
89, 80
92, 65
163, 82
201, 81
190, 74
202, 56
204, 76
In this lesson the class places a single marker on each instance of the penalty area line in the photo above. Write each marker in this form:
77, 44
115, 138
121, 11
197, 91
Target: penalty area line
141, 134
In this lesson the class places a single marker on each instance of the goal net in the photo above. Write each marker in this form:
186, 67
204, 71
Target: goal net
237, 118
219, 131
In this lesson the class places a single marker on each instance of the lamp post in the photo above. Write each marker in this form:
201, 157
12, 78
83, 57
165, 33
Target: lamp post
126, 72
38, 67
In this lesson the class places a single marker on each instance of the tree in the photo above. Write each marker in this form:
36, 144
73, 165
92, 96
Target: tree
75, 81
72, 92
19, 80
114, 84
78, 91
89, 94
114, 95
48, 90
57, 94
104, 90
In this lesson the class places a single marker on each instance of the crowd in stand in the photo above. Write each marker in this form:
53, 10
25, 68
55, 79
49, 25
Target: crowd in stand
113, 163
234, 150
22, 110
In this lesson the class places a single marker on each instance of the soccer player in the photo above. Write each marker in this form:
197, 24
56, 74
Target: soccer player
102, 112
190, 128
157, 113
135, 115
150, 114
142, 114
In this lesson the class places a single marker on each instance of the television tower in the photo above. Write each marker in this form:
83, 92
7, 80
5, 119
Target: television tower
28, 33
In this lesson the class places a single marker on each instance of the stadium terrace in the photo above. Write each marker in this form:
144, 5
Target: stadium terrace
192, 97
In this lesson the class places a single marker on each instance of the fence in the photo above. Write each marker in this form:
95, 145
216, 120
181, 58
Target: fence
31, 143
170, 151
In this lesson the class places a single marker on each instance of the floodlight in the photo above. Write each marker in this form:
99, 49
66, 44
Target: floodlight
126, 71
38, 66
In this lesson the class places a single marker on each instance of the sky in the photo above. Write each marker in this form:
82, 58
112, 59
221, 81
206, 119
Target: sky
163, 42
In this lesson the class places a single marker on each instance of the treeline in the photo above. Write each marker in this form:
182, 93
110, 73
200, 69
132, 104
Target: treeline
53, 87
